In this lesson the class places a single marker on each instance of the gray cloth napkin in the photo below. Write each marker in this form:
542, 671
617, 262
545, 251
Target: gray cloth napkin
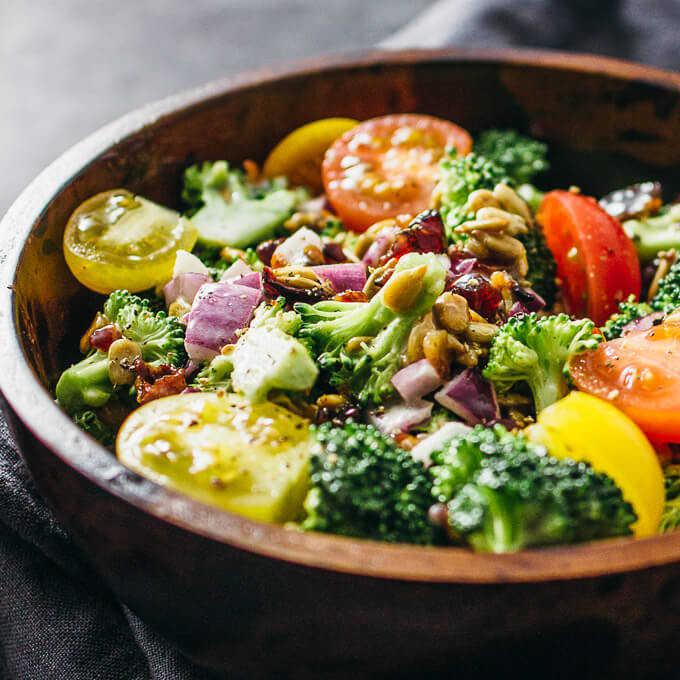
638, 30
57, 620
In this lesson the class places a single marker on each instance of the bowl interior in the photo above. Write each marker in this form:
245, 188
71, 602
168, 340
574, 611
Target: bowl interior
608, 124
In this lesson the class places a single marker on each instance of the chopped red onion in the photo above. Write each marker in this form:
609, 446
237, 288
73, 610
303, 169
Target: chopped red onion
383, 241
528, 298
191, 367
252, 280
461, 263
184, 287
237, 270
188, 263
343, 276
416, 380
313, 205
470, 397
219, 310
402, 417
293, 251
643, 324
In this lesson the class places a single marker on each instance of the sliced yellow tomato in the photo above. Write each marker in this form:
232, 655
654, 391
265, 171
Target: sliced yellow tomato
222, 450
118, 240
585, 428
299, 155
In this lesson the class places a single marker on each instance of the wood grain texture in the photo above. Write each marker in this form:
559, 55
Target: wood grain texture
239, 595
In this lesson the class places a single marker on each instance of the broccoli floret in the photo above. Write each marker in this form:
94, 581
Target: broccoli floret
367, 369
90, 421
266, 357
542, 265
228, 210
670, 520
520, 157
215, 375
629, 310
651, 235
363, 485
460, 458
523, 497
85, 384
666, 300
275, 315
498, 156
160, 336
332, 228
537, 350
459, 176
531, 195
439, 417
667, 297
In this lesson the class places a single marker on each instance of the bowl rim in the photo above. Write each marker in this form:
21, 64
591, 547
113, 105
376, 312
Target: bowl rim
34, 405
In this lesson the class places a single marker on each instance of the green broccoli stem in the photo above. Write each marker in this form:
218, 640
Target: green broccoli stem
85, 384
548, 385
384, 360
509, 527
498, 533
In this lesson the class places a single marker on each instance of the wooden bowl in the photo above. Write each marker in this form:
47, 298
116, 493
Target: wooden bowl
254, 599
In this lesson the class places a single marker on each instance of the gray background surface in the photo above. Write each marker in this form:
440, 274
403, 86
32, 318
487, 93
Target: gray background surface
69, 66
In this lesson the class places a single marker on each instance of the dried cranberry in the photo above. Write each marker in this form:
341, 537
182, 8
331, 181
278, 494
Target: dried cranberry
424, 235
266, 249
482, 297
333, 253
104, 337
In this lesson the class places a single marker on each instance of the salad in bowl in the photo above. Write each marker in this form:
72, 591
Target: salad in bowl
390, 332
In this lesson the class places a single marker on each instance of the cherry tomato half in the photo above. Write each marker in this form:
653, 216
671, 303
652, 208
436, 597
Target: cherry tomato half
596, 260
388, 166
640, 374
118, 240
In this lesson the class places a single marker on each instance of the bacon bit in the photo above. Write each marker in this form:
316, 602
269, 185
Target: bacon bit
252, 170
102, 338
405, 440
351, 296
153, 382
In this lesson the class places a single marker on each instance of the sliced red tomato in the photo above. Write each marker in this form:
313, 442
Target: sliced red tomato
596, 260
640, 374
387, 166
